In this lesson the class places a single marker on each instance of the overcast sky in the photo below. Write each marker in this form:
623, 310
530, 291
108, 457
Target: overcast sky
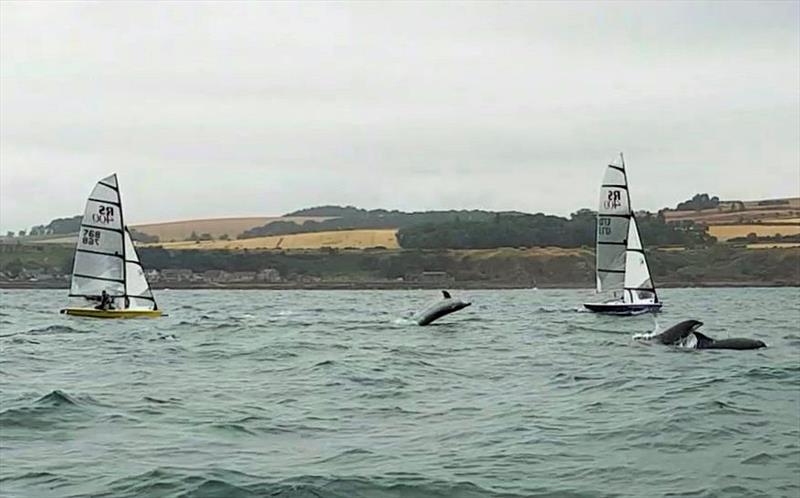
228, 109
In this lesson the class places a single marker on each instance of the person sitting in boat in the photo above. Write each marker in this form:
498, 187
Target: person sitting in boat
106, 302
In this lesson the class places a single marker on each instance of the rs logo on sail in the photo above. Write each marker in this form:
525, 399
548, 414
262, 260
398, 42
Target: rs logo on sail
614, 199
104, 215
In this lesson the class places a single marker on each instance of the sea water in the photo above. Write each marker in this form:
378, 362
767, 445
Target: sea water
339, 394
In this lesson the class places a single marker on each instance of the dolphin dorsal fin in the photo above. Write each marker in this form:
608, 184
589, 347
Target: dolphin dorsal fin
702, 339
446, 294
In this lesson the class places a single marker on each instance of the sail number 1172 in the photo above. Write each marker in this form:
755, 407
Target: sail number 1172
603, 226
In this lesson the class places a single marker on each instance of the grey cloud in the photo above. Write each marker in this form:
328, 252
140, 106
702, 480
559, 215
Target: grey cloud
411, 106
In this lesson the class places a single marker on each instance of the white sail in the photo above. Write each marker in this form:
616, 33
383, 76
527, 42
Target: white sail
638, 283
105, 259
137, 290
99, 254
613, 219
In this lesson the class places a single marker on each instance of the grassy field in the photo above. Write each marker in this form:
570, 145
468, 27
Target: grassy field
340, 239
782, 220
725, 232
216, 227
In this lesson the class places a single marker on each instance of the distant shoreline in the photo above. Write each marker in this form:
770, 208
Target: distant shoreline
478, 285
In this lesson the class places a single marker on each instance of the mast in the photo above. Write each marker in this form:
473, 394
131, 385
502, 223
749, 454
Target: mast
630, 219
124, 228
627, 185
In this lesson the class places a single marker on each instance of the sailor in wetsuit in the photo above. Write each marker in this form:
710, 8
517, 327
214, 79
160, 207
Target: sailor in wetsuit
106, 302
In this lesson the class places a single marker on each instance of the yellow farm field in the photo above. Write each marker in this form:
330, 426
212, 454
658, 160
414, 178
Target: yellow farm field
774, 245
216, 227
339, 239
725, 232
782, 220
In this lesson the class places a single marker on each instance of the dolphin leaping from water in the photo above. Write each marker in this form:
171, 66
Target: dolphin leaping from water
685, 334
437, 310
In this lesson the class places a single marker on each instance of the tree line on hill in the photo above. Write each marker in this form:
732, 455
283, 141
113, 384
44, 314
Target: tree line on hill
72, 224
545, 230
58, 226
478, 229
350, 218
753, 238
698, 202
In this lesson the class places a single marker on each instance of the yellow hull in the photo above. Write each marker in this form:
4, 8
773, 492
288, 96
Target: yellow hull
94, 313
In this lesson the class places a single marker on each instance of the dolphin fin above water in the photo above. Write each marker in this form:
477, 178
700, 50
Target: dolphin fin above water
685, 334
703, 341
677, 333
439, 309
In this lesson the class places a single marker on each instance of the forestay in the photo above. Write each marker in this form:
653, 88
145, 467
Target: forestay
613, 219
105, 258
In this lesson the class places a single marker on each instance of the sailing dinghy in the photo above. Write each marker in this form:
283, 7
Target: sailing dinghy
106, 260
622, 268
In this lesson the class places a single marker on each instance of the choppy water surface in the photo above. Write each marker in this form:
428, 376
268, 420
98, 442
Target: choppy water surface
334, 394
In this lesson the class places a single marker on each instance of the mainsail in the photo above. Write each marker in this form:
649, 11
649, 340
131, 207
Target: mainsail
105, 258
613, 220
